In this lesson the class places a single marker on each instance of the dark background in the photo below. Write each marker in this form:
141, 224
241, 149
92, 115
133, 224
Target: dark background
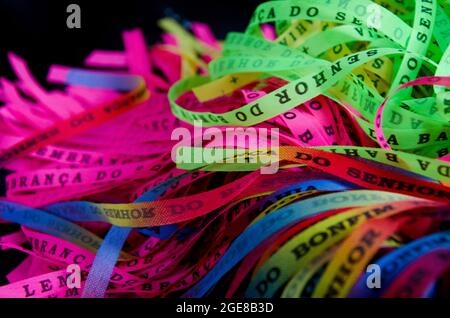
36, 30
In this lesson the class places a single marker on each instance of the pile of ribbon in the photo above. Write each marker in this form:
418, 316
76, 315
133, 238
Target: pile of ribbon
353, 100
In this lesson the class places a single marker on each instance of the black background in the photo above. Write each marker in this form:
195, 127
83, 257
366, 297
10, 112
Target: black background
36, 30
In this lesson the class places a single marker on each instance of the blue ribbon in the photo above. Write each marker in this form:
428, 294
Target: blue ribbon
256, 233
108, 253
396, 261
